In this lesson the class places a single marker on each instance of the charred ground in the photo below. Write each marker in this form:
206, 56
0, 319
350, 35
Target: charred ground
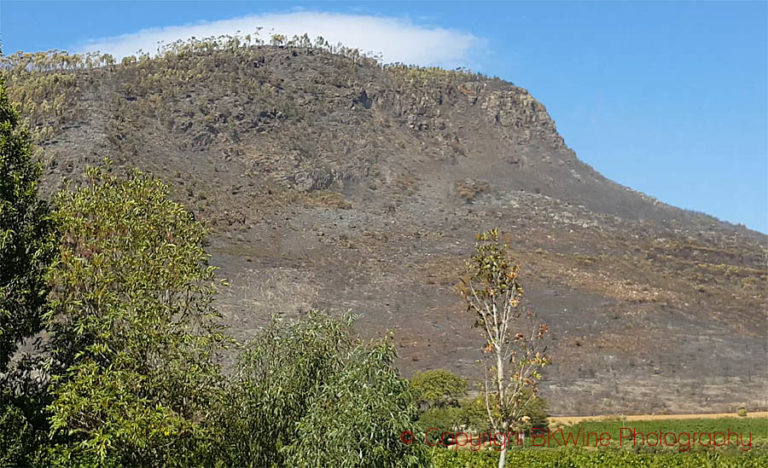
330, 181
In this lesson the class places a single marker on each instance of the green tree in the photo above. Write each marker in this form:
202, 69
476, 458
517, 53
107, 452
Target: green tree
26, 249
26, 240
514, 341
133, 330
434, 422
438, 387
474, 414
438, 392
306, 393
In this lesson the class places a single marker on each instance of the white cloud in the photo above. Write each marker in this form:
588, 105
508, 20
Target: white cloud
396, 39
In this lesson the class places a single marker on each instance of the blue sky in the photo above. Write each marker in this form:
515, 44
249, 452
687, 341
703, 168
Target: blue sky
667, 98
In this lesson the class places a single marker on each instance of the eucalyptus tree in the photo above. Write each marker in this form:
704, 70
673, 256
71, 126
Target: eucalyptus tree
514, 340
308, 393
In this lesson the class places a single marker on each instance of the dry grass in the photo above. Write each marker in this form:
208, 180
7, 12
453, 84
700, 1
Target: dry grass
469, 189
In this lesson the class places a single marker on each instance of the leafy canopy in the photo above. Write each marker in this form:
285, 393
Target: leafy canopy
26, 241
306, 393
134, 333
438, 387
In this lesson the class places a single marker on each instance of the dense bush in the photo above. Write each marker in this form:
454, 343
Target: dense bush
17, 436
435, 422
438, 387
306, 393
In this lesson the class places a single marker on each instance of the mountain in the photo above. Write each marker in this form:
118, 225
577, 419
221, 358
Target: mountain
331, 181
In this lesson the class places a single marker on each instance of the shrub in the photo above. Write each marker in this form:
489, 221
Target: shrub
306, 393
438, 387
442, 419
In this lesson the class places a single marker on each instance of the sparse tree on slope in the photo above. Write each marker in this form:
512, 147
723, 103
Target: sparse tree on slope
514, 341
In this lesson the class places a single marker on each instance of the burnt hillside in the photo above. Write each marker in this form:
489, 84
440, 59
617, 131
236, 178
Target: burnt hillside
330, 181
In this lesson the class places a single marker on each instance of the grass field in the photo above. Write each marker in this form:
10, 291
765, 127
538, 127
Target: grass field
720, 441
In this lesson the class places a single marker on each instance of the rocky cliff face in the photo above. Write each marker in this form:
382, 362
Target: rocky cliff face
333, 182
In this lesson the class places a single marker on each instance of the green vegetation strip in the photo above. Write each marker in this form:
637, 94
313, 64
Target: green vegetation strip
537, 458
625, 453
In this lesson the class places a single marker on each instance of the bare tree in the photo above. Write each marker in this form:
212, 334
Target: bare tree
514, 341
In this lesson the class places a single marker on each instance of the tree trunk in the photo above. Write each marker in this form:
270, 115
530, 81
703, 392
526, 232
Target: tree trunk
500, 388
503, 454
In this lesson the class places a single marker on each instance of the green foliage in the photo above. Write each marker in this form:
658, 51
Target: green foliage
754, 429
17, 436
306, 393
535, 414
438, 387
742, 412
26, 242
26, 249
134, 334
541, 458
445, 419
358, 417
271, 386
474, 414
